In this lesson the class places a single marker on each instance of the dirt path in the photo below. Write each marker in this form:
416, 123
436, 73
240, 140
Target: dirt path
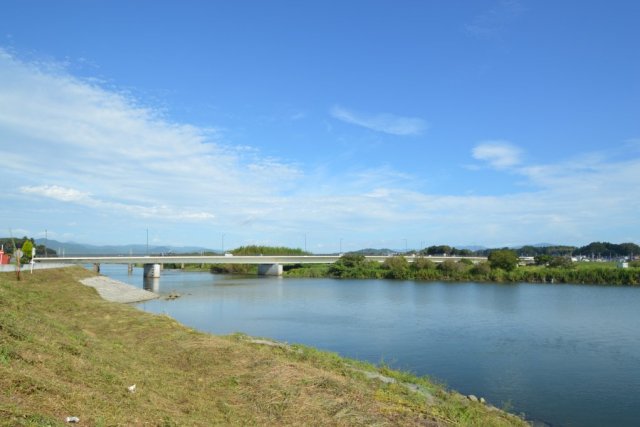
116, 291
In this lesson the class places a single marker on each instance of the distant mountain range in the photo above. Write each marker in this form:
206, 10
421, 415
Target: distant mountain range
72, 248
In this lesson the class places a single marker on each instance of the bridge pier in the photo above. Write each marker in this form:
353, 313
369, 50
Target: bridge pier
269, 269
151, 284
130, 269
151, 270
96, 267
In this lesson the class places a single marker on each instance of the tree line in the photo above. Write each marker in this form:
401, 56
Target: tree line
25, 244
501, 266
593, 249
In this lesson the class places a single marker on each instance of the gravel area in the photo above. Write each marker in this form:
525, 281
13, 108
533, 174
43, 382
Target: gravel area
116, 291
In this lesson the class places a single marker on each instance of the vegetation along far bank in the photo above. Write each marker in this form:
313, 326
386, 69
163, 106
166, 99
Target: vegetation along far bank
502, 266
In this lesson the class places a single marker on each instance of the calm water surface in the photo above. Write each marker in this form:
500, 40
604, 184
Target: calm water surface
565, 354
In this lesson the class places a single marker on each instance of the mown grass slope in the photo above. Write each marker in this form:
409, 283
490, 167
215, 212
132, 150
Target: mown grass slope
66, 352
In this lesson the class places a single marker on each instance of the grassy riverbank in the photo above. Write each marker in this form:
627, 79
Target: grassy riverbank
66, 352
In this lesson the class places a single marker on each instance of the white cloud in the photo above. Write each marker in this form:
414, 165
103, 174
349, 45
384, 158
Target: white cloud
499, 154
74, 141
386, 123
85, 199
74, 152
56, 192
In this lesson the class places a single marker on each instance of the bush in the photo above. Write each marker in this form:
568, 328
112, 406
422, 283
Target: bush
543, 259
355, 266
481, 269
422, 263
397, 267
504, 259
561, 262
448, 266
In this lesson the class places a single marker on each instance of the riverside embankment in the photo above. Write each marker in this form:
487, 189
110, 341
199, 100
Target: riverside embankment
65, 351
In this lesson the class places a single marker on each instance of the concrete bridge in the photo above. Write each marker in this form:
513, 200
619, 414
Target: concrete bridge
268, 265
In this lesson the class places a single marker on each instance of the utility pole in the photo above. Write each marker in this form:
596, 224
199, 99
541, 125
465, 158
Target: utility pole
147, 241
45, 243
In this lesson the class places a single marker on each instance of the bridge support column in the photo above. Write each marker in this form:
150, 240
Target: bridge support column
151, 270
96, 267
151, 284
269, 269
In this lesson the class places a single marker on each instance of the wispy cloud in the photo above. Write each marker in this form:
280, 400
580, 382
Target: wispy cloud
85, 199
493, 21
499, 154
384, 122
72, 151
72, 140
57, 193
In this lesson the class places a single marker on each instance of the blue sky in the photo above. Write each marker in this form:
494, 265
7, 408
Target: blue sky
368, 122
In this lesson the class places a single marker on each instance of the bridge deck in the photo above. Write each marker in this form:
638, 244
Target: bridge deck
221, 259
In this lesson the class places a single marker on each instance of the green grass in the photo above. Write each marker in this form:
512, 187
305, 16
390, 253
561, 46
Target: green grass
66, 352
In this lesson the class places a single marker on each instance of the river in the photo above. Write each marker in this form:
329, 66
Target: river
568, 355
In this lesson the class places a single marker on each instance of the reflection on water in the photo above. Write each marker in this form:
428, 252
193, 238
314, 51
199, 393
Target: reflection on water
569, 355
151, 284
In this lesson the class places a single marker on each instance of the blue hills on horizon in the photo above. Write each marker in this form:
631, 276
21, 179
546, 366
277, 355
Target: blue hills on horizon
73, 248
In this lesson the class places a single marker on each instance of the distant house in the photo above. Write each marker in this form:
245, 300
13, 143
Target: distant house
623, 264
4, 258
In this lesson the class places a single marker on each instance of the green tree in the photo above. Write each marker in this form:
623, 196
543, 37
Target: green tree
267, 250
481, 269
27, 249
355, 266
528, 250
397, 267
439, 250
542, 259
351, 260
449, 266
504, 259
561, 262
422, 263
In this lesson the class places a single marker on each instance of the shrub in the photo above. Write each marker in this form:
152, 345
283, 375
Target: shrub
504, 259
397, 267
560, 261
449, 267
422, 263
481, 269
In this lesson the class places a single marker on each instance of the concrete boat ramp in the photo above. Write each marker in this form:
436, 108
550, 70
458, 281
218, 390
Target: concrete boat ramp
116, 291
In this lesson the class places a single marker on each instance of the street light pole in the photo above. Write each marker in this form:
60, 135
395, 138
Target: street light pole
147, 241
222, 244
